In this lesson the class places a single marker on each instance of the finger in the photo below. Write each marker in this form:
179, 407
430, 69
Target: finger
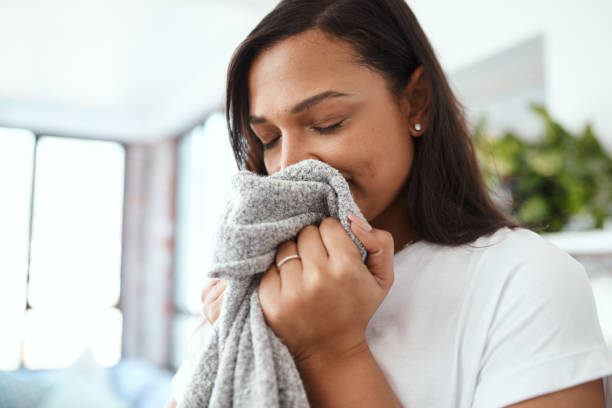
291, 270
209, 284
215, 291
337, 240
269, 287
310, 247
212, 310
380, 246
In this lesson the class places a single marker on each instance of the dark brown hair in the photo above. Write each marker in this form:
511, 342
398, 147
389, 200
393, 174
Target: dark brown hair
447, 201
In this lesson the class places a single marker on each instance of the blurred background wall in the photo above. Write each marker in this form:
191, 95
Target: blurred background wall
112, 138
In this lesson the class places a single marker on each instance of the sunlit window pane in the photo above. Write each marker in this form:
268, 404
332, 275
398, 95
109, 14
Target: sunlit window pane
56, 339
16, 164
77, 223
11, 340
206, 164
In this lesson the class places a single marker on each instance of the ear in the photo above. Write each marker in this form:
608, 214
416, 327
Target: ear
415, 101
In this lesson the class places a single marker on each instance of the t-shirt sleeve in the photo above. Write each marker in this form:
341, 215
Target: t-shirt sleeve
544, 334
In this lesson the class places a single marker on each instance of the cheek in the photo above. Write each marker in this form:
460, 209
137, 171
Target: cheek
271, 161
396, 146
396, 164
382, 173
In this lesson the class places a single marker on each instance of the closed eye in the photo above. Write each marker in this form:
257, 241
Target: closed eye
321, 130
272, 143
329, 128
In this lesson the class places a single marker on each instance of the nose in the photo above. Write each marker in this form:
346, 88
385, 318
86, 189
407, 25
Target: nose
294, 149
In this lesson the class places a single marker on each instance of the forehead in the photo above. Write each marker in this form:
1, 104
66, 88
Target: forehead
301, 66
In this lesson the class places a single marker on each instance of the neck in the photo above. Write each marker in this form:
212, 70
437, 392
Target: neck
395, 220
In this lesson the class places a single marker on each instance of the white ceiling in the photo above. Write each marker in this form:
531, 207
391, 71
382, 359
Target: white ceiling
129, 70
143, 70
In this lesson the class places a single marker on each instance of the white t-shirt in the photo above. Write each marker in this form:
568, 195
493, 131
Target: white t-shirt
504, 319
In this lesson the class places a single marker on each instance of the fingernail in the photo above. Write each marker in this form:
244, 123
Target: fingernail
360, 222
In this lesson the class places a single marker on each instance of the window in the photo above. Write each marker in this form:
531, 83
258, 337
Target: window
205, 166
16, 164
502, 86
64, 295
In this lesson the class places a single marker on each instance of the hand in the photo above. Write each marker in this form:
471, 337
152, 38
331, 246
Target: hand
212, 299
321, 304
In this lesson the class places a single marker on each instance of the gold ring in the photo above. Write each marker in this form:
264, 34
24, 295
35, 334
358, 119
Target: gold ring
282, 261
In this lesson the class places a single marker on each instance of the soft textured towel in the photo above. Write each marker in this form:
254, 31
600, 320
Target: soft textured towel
245, 364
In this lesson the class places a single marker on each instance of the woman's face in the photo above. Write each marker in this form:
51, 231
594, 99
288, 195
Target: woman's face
309, 99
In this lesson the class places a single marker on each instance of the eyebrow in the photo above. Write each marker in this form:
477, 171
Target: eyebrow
302, 106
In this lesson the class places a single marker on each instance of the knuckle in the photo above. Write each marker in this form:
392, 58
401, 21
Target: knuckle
205, 299
343, 262
216, 307
285, 245
266, 283
387, 237
307, 228
316, 270
266, 276
353, 253
273, 314
208, 314
344, 266
329, 222
316, 281
349, 277
207, 287
213, 294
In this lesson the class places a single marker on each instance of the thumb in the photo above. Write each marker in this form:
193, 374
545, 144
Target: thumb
380, 247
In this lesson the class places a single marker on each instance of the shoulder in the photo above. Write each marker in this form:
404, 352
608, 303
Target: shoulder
498, 256
540, 319
510, 272
536, 298
519, 244
514, 279
520, 257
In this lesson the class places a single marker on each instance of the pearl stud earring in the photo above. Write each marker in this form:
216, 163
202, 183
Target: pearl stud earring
417, 127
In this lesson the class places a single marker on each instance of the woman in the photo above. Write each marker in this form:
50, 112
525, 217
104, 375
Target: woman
456, 306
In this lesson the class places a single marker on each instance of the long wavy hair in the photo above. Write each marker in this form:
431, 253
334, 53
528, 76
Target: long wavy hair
450, 202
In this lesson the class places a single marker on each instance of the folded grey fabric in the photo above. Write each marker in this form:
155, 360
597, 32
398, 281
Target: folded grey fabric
244, 363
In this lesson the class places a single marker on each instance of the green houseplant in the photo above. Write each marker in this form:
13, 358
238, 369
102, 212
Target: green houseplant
550, 180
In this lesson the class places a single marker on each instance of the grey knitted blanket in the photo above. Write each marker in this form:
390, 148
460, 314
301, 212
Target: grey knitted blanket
244, 364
